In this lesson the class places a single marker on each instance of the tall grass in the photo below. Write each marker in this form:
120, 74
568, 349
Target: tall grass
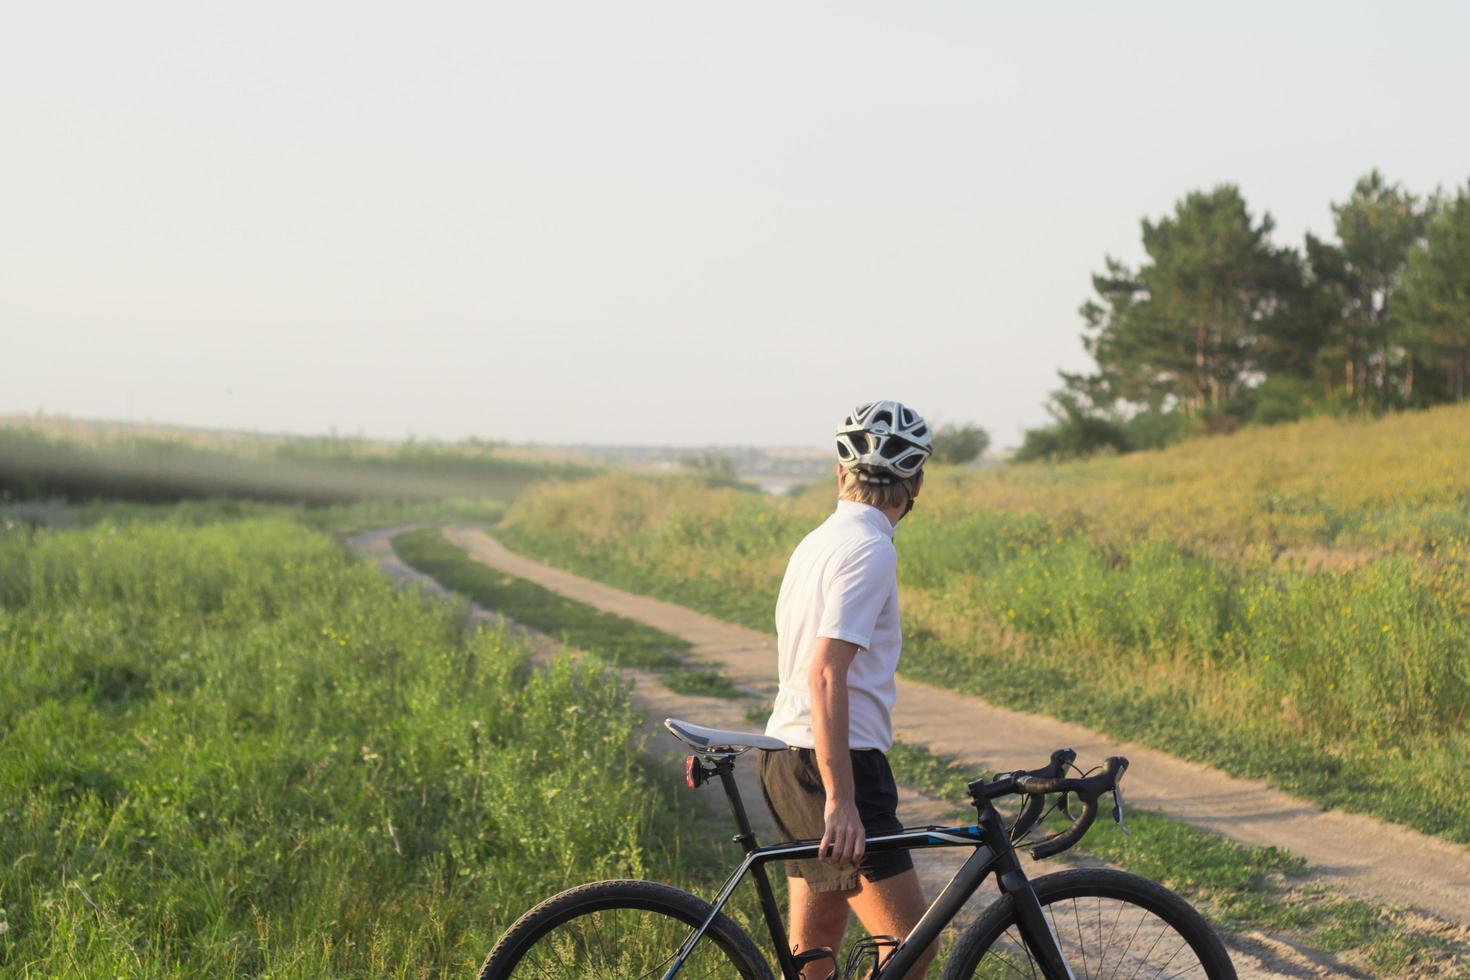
1160, 599
229, 749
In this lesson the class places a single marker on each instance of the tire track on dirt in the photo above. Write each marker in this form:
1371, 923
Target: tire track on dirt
1359, 855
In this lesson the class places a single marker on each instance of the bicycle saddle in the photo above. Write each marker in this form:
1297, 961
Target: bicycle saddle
705, 740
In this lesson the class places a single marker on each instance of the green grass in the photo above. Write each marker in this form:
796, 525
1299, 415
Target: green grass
614, 638
228, 748
701, 682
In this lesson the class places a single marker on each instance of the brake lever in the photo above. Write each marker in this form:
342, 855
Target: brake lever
1118, 805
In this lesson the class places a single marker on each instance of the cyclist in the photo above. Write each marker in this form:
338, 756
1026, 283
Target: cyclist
838, 643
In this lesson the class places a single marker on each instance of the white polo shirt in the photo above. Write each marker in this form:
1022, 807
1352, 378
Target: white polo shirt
841, 582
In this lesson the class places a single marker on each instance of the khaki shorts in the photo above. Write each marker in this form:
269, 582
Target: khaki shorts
792, 786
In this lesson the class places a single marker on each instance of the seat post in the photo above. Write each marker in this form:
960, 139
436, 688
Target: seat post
744, 836
767, 895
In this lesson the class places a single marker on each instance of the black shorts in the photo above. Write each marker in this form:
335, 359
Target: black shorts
792, 785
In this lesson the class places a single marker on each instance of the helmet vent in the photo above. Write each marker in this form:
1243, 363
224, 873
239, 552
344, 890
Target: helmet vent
892, 447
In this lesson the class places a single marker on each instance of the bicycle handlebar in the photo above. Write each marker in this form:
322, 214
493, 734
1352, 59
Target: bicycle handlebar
1004, 784
1039, 783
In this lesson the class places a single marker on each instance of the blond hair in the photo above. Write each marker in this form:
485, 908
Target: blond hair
880, 495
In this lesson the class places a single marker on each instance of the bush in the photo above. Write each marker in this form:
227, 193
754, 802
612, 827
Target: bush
1280, 399
1075, 432
959, 444
1153, 429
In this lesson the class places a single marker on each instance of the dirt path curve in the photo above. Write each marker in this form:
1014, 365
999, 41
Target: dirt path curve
1364, 857
1257, 956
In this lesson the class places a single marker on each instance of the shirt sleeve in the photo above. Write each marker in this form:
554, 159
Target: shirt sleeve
855, 591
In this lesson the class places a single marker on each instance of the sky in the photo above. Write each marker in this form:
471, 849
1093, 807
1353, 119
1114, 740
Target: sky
683, 223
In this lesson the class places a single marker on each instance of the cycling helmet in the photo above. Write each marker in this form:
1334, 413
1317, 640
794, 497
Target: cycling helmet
883, 442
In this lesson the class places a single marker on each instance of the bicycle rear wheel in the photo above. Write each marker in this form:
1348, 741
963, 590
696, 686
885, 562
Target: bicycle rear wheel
1109, 924
622, 930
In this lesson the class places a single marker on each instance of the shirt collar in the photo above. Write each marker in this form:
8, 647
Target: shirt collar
866, 513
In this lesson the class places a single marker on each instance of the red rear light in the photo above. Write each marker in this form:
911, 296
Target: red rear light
693, 772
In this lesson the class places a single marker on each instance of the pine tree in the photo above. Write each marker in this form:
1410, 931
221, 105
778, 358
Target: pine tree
1436, 299
1192, 325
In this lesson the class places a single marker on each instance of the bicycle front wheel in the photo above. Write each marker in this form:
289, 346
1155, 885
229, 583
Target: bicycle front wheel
622, 930
1108, 923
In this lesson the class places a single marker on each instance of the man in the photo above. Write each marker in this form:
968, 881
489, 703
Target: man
838, 641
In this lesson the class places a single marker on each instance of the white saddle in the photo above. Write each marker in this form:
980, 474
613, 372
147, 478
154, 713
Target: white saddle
706, 741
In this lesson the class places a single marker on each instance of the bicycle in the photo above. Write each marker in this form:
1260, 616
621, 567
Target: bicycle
1037, 928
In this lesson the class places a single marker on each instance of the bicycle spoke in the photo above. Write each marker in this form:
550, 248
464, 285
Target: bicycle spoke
1004, 960
1081, 943
1112, 931
1182, 945
1112, 938
1146, 956
1123, 957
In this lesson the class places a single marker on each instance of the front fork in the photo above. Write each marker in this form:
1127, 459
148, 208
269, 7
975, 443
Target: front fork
1036, 933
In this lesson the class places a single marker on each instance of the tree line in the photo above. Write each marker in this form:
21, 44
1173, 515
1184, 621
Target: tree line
1219, 327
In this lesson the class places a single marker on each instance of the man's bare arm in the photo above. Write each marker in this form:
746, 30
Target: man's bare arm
827, 683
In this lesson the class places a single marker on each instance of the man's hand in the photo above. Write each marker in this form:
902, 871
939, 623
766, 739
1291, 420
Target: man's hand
843, 829
844, 833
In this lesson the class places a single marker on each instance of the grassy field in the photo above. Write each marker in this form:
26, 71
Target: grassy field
228, 748
1290, 603
81, 463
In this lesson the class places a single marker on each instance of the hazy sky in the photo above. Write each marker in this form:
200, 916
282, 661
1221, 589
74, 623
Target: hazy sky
683, 222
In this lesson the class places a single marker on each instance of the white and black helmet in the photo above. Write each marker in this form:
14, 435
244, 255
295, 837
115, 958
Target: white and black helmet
883, 442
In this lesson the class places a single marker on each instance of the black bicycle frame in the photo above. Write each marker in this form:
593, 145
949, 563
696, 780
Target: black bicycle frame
1002, 860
